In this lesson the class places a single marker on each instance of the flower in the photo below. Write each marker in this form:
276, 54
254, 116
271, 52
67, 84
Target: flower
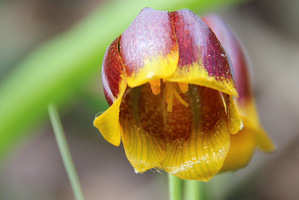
170, 87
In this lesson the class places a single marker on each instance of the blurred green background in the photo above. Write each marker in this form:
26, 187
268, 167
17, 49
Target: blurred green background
52, 51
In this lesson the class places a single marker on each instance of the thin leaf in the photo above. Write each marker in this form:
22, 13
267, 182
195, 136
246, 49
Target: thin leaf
65, 152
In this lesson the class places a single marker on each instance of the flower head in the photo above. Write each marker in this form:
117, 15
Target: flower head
170, 87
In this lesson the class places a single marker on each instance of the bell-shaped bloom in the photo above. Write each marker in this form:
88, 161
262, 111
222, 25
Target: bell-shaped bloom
253, 135
170, 86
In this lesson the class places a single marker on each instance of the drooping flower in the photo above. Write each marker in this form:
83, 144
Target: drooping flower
170, 87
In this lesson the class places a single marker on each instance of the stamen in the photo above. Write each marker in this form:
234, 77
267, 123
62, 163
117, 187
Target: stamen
181, 100
171, 91
155, 86
184, 87
169, 96
224, 102
169, 101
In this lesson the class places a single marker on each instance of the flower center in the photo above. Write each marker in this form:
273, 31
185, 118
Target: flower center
172, 90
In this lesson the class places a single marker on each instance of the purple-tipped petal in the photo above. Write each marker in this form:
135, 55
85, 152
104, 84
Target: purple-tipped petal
148, 47
236, 53
245, 102
202, 59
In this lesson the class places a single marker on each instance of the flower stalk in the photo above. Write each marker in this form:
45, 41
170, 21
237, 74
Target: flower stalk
193, 190
175, 187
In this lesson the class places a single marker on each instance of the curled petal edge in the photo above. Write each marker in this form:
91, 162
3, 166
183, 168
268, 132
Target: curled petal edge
108, 122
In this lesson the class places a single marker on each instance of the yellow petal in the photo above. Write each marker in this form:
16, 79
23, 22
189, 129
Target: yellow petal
143, 150
264, 142
242, 146
250, 118
245, 142
140, 118
200, 153
108, 122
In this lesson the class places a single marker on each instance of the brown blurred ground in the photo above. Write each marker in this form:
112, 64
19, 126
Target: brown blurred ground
269, 31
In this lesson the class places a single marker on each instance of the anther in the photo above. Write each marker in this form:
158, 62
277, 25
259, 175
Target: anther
155, 86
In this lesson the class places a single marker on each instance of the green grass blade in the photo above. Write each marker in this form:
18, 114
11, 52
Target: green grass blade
64, 151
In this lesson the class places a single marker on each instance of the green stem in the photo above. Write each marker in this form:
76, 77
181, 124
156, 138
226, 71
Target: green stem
193, 190
64, 151
175, 187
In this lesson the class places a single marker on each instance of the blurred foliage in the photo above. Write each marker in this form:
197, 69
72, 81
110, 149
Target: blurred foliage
58, 70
